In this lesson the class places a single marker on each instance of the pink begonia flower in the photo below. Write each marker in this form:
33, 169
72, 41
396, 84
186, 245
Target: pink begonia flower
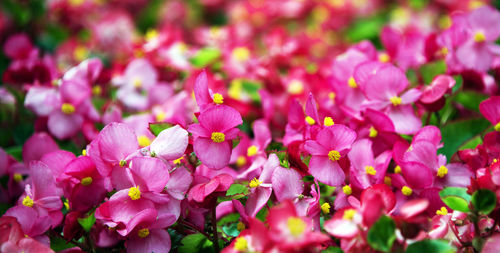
57, 161
12, 238
147, 233
380, 130
367, 170
32, 150
178, 109
289, 230
302, 126
490, 108
331, 144
204, 96
383, 91
32, 223
19, 47
213, 135
203, 192
255, 238
439, 86
170, 143
492, 244
478, 50
406, 48
261, 188
247, 151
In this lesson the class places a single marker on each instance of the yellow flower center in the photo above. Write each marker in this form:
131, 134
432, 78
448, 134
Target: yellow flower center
84, 152
143, 141
479, 37
241, 54
387, 180
334, 155
384, 57
347, 190
18, 177
96, 90
407, 191
252, 150
396, 100
240, 226
325, 208
242, 160
178, 160
218, 137
137, 82
310, 120
444, 51
80, 53
373, 132
370, 170
295, 87
332, 95
86, 181
296, 226
349, 214
241, 244
397, 169
151, 34
497, 127
143, 232
122, 163
442, 211
218, 98
328, 121
255, 183
160, 116
134, 193
442, 171
352, 83
67, 108
27, 201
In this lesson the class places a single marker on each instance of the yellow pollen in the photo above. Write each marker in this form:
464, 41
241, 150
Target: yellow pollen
143, 232
495, 160
497, 127
143, 140
328, 121
241, 244
334, 155
75, 3
242, 160
240, 226
407, 191
442, 211
18, 177
347, 190
218, 137
66, 204
80, 53
444, 22
444, 51
96, 90
67, 108
134, 193
310, 120
218, 98
349, 214
84, 152
397, 169
325, 208
373, 132
332, 95
387, 180
151, 34
252, 150
479, 37
27, 201
295, 87
161, 116
352, 83
137, 82
178, 160
122, 163
370, 170
384, 57
442, 171
296, 226
241, 54
86, 181
255, 183
396, 100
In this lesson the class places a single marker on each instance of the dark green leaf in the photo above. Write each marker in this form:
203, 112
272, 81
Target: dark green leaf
456, 198
430, 70
156, 128
472, 143
237, 189
195, 243
470, 99
457, 133
87, 222
382, 234
430, 246
484, 201
58, 244
332, 249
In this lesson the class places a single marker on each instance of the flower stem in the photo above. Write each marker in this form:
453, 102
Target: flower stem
215, 239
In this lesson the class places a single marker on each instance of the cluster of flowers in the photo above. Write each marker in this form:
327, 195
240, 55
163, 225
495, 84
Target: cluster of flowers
250, 137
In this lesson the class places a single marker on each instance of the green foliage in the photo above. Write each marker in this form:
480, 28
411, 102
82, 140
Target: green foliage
457, 133
58, 244
365, 28
235, 189
456, 198
382, 234
470, 99
430, 246
332, 249
87, 222
430, 70
195, 243
205, 56
156, 128
484, 201
231, 229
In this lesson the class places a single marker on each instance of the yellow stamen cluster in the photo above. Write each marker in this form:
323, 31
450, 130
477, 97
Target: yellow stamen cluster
137, 82
352, 83
67, 108
310, 120
86, 181
218, 98
328, 121
373, 132
295, 87
18, 177
387, 180
252, 150
349, 214
334, 155
122, 163
143, 232
241, 244
255, 183
444, 51
241, 54
160, 116
27, 201
84, 152
134, 193
242, 160
325, 208
332, 95
347, 190
397, 169
407, 191
178, 160
370, 170
240, 226
479, 37
143, 141
384, 57
497, 127
395, 100
442, 211
442, 171
96, 90
296, 226
218, 137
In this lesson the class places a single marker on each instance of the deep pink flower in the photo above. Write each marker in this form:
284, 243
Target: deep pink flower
490, 108
203, 192
367, 170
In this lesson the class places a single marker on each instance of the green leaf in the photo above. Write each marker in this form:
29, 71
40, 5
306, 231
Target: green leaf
430, 246
457, 133
472, 144
332, 249
87, 222
456, 198
382, 234
470, 99
430, 70
195, 243
237, 189
365, 28
458, 83
58, 244
484, 201
205, 56
231, 229
16, 152
156, 128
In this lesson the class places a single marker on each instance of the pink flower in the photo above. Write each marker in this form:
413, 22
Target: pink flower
490, 108
365, 169
331, 144
204, 192
213, 135
170, 144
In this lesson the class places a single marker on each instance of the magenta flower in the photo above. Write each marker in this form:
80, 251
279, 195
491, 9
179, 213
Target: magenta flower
331, 144
213, 135
490, 108
261, 188
365, 169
